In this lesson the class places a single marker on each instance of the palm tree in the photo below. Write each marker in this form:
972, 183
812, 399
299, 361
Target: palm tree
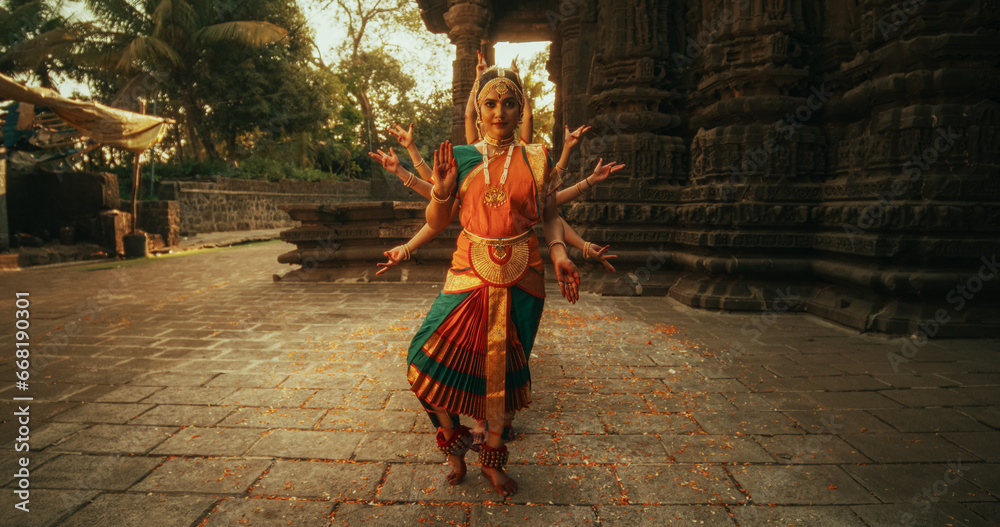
37, 41
166, 40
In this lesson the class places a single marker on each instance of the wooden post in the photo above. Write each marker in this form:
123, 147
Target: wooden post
4, 226
137, 177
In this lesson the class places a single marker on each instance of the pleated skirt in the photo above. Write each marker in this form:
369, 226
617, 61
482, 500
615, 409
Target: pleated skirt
470, 355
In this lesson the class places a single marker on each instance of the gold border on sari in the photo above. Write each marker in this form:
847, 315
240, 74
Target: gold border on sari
496, 354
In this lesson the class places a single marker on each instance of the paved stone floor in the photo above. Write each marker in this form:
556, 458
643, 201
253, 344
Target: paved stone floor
193, 390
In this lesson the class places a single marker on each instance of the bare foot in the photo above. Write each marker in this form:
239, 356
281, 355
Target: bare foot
457, 469
504, 485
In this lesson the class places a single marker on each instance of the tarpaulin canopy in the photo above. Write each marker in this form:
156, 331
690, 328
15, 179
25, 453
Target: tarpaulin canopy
106, 125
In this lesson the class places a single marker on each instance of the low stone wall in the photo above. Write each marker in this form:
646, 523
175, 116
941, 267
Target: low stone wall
159, 217
223, 204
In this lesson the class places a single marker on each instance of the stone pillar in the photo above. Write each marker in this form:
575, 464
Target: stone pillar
468, 25
915, 148
629, 99
572, 54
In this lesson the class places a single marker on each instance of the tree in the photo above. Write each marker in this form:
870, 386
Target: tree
38, 41
262, 97
379, 73
169, 39
535, 87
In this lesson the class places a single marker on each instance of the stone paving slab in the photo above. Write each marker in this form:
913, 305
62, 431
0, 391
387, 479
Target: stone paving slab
45, 507
829, 516
502, 515
351, 514
93, 472
900, 483
141, 510
928, 513
270, 513
208, 476
804, 485
207, 394
197, 441
631, 515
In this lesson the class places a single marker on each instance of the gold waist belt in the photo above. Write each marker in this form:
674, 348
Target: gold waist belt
498, 242
500, 262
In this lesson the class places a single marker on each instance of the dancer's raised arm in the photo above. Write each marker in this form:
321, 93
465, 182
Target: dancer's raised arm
405, 138
443, 206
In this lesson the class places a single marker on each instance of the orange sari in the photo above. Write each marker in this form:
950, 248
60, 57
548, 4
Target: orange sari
470, 356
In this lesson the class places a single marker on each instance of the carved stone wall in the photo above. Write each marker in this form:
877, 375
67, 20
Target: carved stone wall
844, 154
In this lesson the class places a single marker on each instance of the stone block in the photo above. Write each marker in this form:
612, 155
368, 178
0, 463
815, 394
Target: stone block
678, 484
93, 472
208, 476
114, 225
248, 511
315, 479
812, 485
351, 514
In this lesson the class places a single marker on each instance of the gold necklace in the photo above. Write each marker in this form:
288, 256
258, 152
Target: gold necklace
499, 142
495, 195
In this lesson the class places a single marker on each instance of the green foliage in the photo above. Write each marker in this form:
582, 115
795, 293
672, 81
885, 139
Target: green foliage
273, 170
38, 42
244, 80
536, 88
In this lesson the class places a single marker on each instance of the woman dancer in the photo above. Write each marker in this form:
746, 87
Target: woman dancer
470, 356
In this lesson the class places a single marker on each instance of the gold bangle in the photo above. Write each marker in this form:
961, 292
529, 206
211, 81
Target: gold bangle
560, 169
586, 250
420, 163
554, 242
406, 251
578, 189
409, 182
436, 199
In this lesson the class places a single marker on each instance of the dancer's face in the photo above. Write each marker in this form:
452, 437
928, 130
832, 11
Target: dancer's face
499, 114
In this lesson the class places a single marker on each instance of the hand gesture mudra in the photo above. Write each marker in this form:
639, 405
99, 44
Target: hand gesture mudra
570, 139
405, 137
388, 161
395, 255
481, 65
569, 279
601, 171
445, 172
600, 254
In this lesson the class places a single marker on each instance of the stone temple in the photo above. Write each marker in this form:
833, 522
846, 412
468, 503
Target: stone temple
838, 158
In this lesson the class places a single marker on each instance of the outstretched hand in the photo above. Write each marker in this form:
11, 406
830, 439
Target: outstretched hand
405, 137
445, 171
481, 65
600, 254
388, 161
569, 279
570, 139
601, 172
395, 255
